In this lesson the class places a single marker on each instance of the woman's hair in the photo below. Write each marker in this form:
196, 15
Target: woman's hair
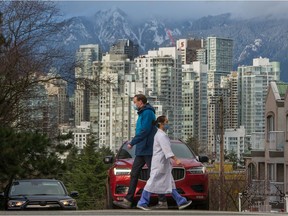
159, 120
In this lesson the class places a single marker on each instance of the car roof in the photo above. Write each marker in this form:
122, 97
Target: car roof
171, 140
177, 141
35, 180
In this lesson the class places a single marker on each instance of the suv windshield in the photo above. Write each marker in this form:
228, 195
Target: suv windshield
180, 150
36, 188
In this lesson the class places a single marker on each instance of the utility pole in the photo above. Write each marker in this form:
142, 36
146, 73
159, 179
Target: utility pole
111, 145
221, 126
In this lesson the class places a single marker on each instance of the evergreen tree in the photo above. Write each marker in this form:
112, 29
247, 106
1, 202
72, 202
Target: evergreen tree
87, 173
28, 155
193, 143
231, 157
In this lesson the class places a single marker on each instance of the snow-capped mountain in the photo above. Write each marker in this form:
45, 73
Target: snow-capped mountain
265, 36
110, 25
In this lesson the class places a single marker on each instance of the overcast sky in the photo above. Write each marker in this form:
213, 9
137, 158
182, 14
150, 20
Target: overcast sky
178, 9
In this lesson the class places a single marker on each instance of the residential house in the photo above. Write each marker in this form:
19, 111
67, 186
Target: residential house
267, 164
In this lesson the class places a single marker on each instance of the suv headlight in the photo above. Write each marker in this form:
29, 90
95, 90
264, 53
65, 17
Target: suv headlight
122, 171
16, 203
197, 170
68, 202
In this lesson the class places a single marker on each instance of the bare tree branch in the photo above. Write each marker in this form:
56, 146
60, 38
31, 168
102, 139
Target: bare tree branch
28, 51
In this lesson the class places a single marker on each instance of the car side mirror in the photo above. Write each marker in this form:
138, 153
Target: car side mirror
74, 194
108, 159
2, 195
203, 159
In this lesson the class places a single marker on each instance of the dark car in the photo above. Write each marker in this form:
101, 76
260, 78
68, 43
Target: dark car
31, 194
190, 177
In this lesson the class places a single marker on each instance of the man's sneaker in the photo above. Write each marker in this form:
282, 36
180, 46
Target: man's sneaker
184, 205
123, 204
143, 207
160, 205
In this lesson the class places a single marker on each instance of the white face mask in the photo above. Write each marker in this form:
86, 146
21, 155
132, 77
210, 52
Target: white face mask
135, 107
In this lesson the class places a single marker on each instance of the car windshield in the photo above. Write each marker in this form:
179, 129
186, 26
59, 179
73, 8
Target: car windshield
180, 150
36, 188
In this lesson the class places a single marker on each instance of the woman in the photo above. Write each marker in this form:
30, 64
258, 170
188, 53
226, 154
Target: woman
161, 180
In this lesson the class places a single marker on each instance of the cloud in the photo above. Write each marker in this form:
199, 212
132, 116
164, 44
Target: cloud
178, 9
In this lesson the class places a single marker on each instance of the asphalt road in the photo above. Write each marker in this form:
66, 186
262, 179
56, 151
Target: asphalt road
134, 212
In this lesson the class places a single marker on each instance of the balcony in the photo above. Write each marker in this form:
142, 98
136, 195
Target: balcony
258, 141
276, 140
258, 188
276, 192
262, 188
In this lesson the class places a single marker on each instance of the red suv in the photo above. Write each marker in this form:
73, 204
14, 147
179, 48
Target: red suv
190, 177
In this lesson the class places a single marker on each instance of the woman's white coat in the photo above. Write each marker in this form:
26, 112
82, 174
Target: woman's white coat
161, 180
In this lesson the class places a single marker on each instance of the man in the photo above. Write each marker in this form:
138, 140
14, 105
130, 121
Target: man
143, 140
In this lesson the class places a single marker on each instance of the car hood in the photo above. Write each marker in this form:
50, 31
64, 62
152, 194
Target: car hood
186, 163
124, 162
40, 197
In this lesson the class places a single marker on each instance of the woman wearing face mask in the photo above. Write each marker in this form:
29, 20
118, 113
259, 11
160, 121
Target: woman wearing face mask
161, 180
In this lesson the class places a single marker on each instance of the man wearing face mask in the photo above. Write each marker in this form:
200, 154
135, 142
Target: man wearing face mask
143, 140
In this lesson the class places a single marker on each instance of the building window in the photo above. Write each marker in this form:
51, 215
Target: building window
270, 124
280, 173
271, 172
261, 171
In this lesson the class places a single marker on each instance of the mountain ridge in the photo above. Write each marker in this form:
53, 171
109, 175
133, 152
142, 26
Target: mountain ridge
253, 37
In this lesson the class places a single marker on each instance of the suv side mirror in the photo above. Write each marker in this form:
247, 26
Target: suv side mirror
108, 159
203, 159
74, 194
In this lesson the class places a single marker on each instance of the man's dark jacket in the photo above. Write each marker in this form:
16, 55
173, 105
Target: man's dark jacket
145, 131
